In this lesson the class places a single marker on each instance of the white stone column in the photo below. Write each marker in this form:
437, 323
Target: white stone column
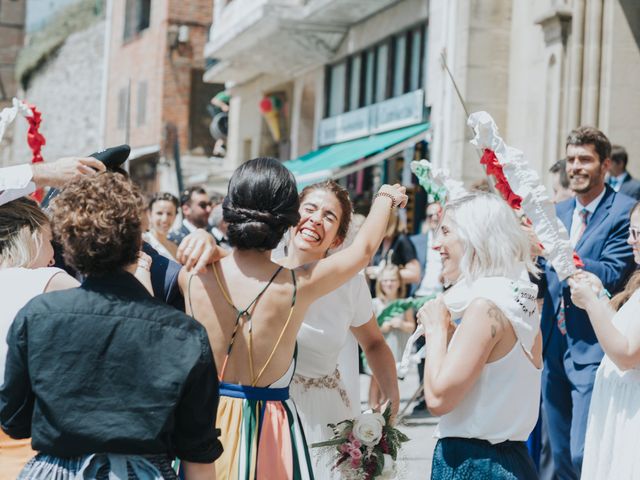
576, 48
592, 63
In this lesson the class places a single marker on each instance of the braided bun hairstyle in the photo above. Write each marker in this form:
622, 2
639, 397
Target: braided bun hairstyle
261, 204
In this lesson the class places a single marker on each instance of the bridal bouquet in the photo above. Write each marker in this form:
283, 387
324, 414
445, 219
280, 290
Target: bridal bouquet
366, 447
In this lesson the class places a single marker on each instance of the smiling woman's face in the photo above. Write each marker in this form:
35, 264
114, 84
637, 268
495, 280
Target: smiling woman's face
317, 231
450, 247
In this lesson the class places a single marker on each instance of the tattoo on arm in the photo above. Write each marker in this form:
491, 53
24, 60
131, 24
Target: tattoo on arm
498, 319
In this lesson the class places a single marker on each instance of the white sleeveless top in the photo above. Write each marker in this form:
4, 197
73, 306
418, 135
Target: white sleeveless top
504, 401
17, 287
502, 405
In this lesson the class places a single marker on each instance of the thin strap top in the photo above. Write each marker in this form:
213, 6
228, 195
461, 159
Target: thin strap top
247, 313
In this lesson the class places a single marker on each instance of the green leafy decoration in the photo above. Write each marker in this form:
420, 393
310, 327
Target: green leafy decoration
437, 193
398, 307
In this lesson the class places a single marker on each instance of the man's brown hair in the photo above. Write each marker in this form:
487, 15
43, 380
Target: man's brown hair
591, 136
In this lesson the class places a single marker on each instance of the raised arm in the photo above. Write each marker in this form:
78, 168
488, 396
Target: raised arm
331, 272
450, 372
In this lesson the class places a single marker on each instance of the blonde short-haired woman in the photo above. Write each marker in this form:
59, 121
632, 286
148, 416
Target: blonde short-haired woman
25, 258
483, 375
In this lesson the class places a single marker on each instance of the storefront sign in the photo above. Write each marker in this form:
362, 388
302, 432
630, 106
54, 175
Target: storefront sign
398, 112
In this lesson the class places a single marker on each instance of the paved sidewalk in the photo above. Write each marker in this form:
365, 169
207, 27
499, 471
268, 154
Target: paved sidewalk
418, 452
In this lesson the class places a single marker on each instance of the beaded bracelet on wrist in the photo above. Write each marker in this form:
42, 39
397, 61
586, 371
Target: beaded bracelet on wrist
386, 194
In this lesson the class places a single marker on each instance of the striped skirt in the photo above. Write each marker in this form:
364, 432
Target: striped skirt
99, 467
261, 435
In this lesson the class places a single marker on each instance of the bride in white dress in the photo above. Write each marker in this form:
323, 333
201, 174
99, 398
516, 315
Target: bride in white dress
611, 444
317, 388
163, 208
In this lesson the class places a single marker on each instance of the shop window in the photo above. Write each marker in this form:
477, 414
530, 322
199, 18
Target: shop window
337, 88
355, 83
416, 62
369, 77
142, 103
399, 65
123, 101
137, 17
388, 69
382, 72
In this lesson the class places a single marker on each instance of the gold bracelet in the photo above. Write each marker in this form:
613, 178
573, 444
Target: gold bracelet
386, 194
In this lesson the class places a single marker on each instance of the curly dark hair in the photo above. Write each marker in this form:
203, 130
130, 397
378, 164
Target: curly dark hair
261, 204
591, 136
97, 220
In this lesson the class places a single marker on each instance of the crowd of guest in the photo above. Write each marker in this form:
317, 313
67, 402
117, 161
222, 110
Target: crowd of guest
205, 337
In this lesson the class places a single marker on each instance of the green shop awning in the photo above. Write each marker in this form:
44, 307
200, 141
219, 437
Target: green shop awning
332, 161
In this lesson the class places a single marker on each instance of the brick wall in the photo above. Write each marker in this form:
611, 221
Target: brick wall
134, 63
165, 69
181, 62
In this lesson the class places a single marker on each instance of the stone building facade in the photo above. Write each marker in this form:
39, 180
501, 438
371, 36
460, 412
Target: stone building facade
540, 68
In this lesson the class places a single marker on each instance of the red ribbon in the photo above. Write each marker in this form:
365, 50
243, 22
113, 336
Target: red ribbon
35, 140
494, 168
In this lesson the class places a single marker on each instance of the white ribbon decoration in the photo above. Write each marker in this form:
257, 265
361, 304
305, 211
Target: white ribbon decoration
536, 202
9, 114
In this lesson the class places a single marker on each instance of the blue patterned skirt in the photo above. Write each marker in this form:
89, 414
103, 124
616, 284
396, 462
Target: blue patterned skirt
474, 459
99, 467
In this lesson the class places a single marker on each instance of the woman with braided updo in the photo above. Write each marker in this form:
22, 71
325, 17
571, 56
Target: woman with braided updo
253, 308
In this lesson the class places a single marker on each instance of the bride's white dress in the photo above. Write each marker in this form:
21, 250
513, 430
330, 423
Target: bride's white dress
318, 389
613, 428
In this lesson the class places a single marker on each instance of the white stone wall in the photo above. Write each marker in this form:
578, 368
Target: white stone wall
67, 91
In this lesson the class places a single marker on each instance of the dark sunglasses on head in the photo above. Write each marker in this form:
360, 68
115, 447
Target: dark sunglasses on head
634, 233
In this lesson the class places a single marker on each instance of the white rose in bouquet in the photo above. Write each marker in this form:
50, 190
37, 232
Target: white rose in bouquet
368, 428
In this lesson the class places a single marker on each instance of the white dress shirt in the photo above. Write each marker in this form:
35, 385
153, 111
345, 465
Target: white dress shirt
576, 222
15, 182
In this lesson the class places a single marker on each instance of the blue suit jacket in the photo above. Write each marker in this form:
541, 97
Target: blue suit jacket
631, 187
604, 250
164, 278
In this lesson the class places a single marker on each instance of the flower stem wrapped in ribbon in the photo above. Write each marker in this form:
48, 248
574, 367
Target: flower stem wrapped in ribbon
365, 448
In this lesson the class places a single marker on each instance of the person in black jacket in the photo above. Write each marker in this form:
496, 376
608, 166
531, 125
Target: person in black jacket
107, 380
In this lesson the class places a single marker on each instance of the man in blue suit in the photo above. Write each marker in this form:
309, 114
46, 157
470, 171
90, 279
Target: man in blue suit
598, 222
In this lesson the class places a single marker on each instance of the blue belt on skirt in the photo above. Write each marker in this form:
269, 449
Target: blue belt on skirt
265, 394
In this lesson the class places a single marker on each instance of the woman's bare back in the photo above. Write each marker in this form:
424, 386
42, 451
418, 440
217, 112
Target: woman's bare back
206, 302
